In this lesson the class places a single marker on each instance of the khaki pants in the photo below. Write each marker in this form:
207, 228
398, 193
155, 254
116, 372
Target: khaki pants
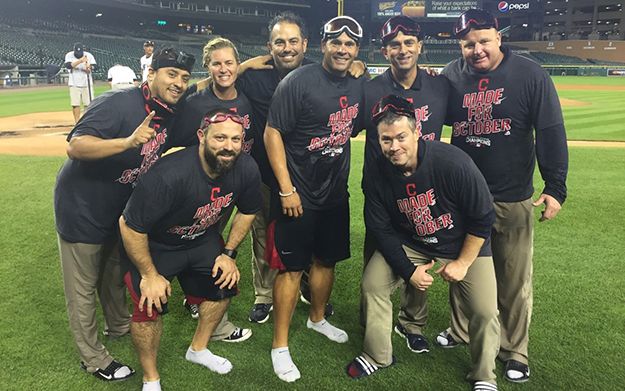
512, 242
474, 296
263, 276
87, 269
413, 305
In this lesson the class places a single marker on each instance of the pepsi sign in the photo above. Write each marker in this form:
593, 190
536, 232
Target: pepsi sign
504, 6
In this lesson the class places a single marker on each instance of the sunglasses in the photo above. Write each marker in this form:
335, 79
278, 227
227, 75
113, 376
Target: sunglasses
148, 43
396, 24
221, 117
474, 19
391, 104
336, 26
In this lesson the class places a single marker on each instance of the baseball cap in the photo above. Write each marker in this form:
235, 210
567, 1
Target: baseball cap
148, 43
474, 19
79, 49
399, 23
336, 26
170, 57
391, 104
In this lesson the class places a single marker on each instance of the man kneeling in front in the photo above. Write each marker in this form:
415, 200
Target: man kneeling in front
426, 202
170, 228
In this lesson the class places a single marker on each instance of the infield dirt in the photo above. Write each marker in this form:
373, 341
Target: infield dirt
44, 134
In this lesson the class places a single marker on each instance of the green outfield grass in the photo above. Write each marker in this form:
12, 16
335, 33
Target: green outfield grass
26, 100
600, 118
576, 337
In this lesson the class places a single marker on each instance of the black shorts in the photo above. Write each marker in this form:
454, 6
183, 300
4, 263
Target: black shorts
323, 234
193, 267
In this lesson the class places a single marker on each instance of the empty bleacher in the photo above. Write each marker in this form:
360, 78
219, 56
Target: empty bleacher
36, 43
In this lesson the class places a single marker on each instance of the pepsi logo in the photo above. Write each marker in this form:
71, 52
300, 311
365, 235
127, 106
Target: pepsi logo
504, 6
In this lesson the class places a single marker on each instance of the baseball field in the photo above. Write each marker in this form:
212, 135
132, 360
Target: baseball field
578, 326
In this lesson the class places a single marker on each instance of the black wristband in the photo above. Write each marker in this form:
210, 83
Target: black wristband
231, 253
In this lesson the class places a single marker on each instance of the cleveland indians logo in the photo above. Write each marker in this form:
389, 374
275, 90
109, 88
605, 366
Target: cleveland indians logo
343, 102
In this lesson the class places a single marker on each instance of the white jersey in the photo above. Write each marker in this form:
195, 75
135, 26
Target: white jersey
120, 74
78, 77
145, 66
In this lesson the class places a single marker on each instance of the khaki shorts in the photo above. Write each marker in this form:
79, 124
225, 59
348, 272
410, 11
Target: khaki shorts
78, 95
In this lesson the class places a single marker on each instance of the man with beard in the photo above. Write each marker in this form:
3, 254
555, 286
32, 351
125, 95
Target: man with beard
499, 102
221, 59
170, 228
313, 113
401, 46
117, 140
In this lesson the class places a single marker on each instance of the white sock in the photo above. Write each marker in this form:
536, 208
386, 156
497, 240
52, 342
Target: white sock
324, 327
283, 365
209, 360
152, 385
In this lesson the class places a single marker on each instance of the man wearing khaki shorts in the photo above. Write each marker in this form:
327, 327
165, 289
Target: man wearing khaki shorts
80, 64
426, 202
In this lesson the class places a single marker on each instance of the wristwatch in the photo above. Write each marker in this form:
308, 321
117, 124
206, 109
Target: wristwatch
231, 253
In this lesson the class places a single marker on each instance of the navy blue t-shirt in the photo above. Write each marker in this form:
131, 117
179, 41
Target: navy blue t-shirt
179, 206
259, 85
316, 113
89, 196
493, 115
430, 211
428, 94
196, 105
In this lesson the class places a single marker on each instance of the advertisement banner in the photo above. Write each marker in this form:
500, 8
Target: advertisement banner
616, 72
422, 8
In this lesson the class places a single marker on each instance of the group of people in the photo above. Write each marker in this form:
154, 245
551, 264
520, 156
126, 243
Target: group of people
80, 63
271, 137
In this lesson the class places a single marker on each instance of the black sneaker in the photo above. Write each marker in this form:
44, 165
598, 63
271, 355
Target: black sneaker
193, 309
305, 298
415, 342
516, 372
445, 340
260, 312
116, 371
484, 386
238, 335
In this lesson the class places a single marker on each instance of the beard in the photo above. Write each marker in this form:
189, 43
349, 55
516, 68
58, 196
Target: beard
217, 166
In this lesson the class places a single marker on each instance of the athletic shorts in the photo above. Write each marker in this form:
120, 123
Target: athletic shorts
78, 95
193, 268
323, 234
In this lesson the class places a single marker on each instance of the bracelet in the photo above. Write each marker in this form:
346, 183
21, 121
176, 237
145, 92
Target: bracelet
230, 253
281, 194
